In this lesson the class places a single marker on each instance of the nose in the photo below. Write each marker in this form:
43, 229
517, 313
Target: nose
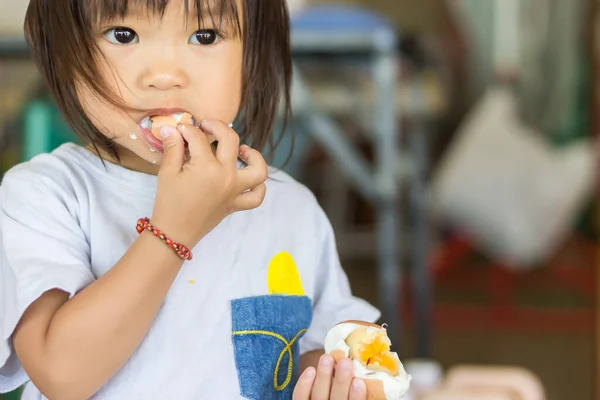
164, 75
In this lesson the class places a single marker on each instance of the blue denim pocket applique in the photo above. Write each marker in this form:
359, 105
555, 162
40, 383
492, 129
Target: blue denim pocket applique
265, 332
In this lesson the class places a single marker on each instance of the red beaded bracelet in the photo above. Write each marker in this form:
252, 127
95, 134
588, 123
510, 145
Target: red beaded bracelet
181, 250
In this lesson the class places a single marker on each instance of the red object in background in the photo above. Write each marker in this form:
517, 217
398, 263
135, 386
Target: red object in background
458, 267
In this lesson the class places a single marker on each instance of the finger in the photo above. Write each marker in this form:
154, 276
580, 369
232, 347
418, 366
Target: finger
322, 386
229, 140
250, 199
249, 178
358, 390
342, 380
252, 157
304, 385
256, 172
198, 143
174, 150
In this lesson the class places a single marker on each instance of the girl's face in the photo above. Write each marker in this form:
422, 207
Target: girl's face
161, 64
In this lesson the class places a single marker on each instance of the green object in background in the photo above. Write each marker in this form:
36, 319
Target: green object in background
44, 128
576, 122
16, 395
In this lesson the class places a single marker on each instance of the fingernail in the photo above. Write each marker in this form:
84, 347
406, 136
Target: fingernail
358, 385
166, 131
310, 373
180, 128
326, 361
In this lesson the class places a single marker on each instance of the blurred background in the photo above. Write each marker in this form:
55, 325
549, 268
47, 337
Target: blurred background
453, 145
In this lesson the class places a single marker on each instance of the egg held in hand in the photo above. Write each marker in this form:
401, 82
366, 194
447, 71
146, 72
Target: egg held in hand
368, 346
154, 122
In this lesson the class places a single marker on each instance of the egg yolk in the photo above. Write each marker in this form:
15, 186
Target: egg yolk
372, 349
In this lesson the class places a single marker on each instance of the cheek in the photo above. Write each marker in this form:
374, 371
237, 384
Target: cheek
218, 89
111, 122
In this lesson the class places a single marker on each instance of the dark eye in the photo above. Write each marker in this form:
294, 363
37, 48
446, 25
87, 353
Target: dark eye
205, 37
121, 36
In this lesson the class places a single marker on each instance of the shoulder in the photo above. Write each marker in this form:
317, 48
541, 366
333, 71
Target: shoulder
283, 183
283, 191
290, 203
43, 178
65, 161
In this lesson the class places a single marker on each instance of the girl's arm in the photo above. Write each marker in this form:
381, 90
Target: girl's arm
71, 348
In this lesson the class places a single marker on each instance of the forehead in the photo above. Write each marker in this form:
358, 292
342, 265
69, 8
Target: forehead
102, 10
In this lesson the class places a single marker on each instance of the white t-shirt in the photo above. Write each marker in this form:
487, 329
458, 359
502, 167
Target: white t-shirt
66, 219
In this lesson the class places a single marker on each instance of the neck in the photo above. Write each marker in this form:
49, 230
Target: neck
127, 159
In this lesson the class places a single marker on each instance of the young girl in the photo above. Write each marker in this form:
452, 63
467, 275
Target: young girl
177, 266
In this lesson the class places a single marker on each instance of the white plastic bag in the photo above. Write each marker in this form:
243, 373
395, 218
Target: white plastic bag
504, 185
12, 17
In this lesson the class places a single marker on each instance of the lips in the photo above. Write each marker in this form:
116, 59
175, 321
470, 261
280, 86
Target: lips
153, 142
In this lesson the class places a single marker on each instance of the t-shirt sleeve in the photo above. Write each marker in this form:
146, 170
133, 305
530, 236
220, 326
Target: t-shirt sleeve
333, 300
42, 247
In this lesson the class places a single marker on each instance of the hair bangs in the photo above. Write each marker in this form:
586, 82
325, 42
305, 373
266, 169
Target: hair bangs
215, 13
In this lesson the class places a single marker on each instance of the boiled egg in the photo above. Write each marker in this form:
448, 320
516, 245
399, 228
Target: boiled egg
368, 346
154, 122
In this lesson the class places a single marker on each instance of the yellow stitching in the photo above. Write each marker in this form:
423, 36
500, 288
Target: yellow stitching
287, 349
290, 363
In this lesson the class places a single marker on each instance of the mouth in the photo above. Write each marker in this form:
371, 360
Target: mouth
154, 119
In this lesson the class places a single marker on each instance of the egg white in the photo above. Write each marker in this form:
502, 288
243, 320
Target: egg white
394, 387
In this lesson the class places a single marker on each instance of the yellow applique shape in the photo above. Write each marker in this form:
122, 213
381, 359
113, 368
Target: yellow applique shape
283, 277
287, 349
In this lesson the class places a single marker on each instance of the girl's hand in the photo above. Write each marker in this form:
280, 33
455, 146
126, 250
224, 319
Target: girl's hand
325, 383
195, 196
